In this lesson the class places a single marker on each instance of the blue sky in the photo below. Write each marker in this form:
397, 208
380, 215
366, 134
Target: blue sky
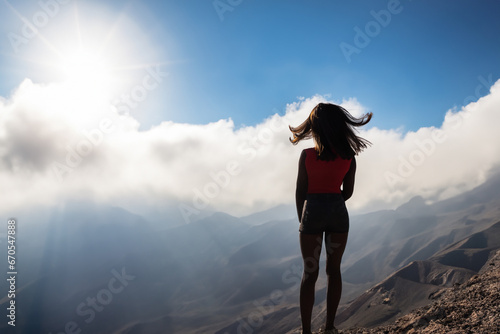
265, 54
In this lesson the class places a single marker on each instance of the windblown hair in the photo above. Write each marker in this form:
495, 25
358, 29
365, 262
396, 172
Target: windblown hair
332, 128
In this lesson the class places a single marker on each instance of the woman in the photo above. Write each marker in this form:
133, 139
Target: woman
320, 201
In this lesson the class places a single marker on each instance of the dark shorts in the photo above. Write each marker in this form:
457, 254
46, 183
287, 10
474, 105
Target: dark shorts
324, 213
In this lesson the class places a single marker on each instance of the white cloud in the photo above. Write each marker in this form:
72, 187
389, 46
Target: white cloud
436, 163
216, 165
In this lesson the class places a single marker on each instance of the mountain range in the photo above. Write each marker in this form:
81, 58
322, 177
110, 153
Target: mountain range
106, 270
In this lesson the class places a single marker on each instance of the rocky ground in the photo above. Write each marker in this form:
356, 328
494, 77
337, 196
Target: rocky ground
473, 307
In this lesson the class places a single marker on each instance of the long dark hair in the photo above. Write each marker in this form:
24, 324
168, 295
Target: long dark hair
332, 128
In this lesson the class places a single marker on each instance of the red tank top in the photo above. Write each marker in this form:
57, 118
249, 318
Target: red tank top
325, 176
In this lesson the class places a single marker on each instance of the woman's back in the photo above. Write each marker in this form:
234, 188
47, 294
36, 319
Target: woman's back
325, 176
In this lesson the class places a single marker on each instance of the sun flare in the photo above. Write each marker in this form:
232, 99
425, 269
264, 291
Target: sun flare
86, 70
83, 65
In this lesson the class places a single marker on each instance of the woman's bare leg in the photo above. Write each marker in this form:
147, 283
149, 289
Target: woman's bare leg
335, 244
310, 245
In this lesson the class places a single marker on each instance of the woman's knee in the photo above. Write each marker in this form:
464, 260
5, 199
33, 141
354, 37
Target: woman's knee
310, 277
332, 269
311, 264
311, 270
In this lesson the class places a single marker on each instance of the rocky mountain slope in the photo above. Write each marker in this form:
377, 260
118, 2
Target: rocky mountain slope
409, 287
472, 307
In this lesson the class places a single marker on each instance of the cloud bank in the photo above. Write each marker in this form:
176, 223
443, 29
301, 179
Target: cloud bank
56, 145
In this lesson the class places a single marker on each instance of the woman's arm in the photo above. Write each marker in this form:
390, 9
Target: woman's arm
301, 190
348, 183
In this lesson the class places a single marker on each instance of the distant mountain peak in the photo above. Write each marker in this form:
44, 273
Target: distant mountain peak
415, 206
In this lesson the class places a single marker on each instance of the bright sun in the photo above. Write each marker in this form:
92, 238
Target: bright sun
86, 70
83, 65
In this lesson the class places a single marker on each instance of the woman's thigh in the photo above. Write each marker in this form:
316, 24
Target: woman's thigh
310, 246
334, 245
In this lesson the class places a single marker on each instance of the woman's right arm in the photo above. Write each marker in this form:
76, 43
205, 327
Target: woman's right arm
301, 190
348, 183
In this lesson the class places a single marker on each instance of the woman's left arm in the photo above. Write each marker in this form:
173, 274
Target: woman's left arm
301, 190
348, 183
